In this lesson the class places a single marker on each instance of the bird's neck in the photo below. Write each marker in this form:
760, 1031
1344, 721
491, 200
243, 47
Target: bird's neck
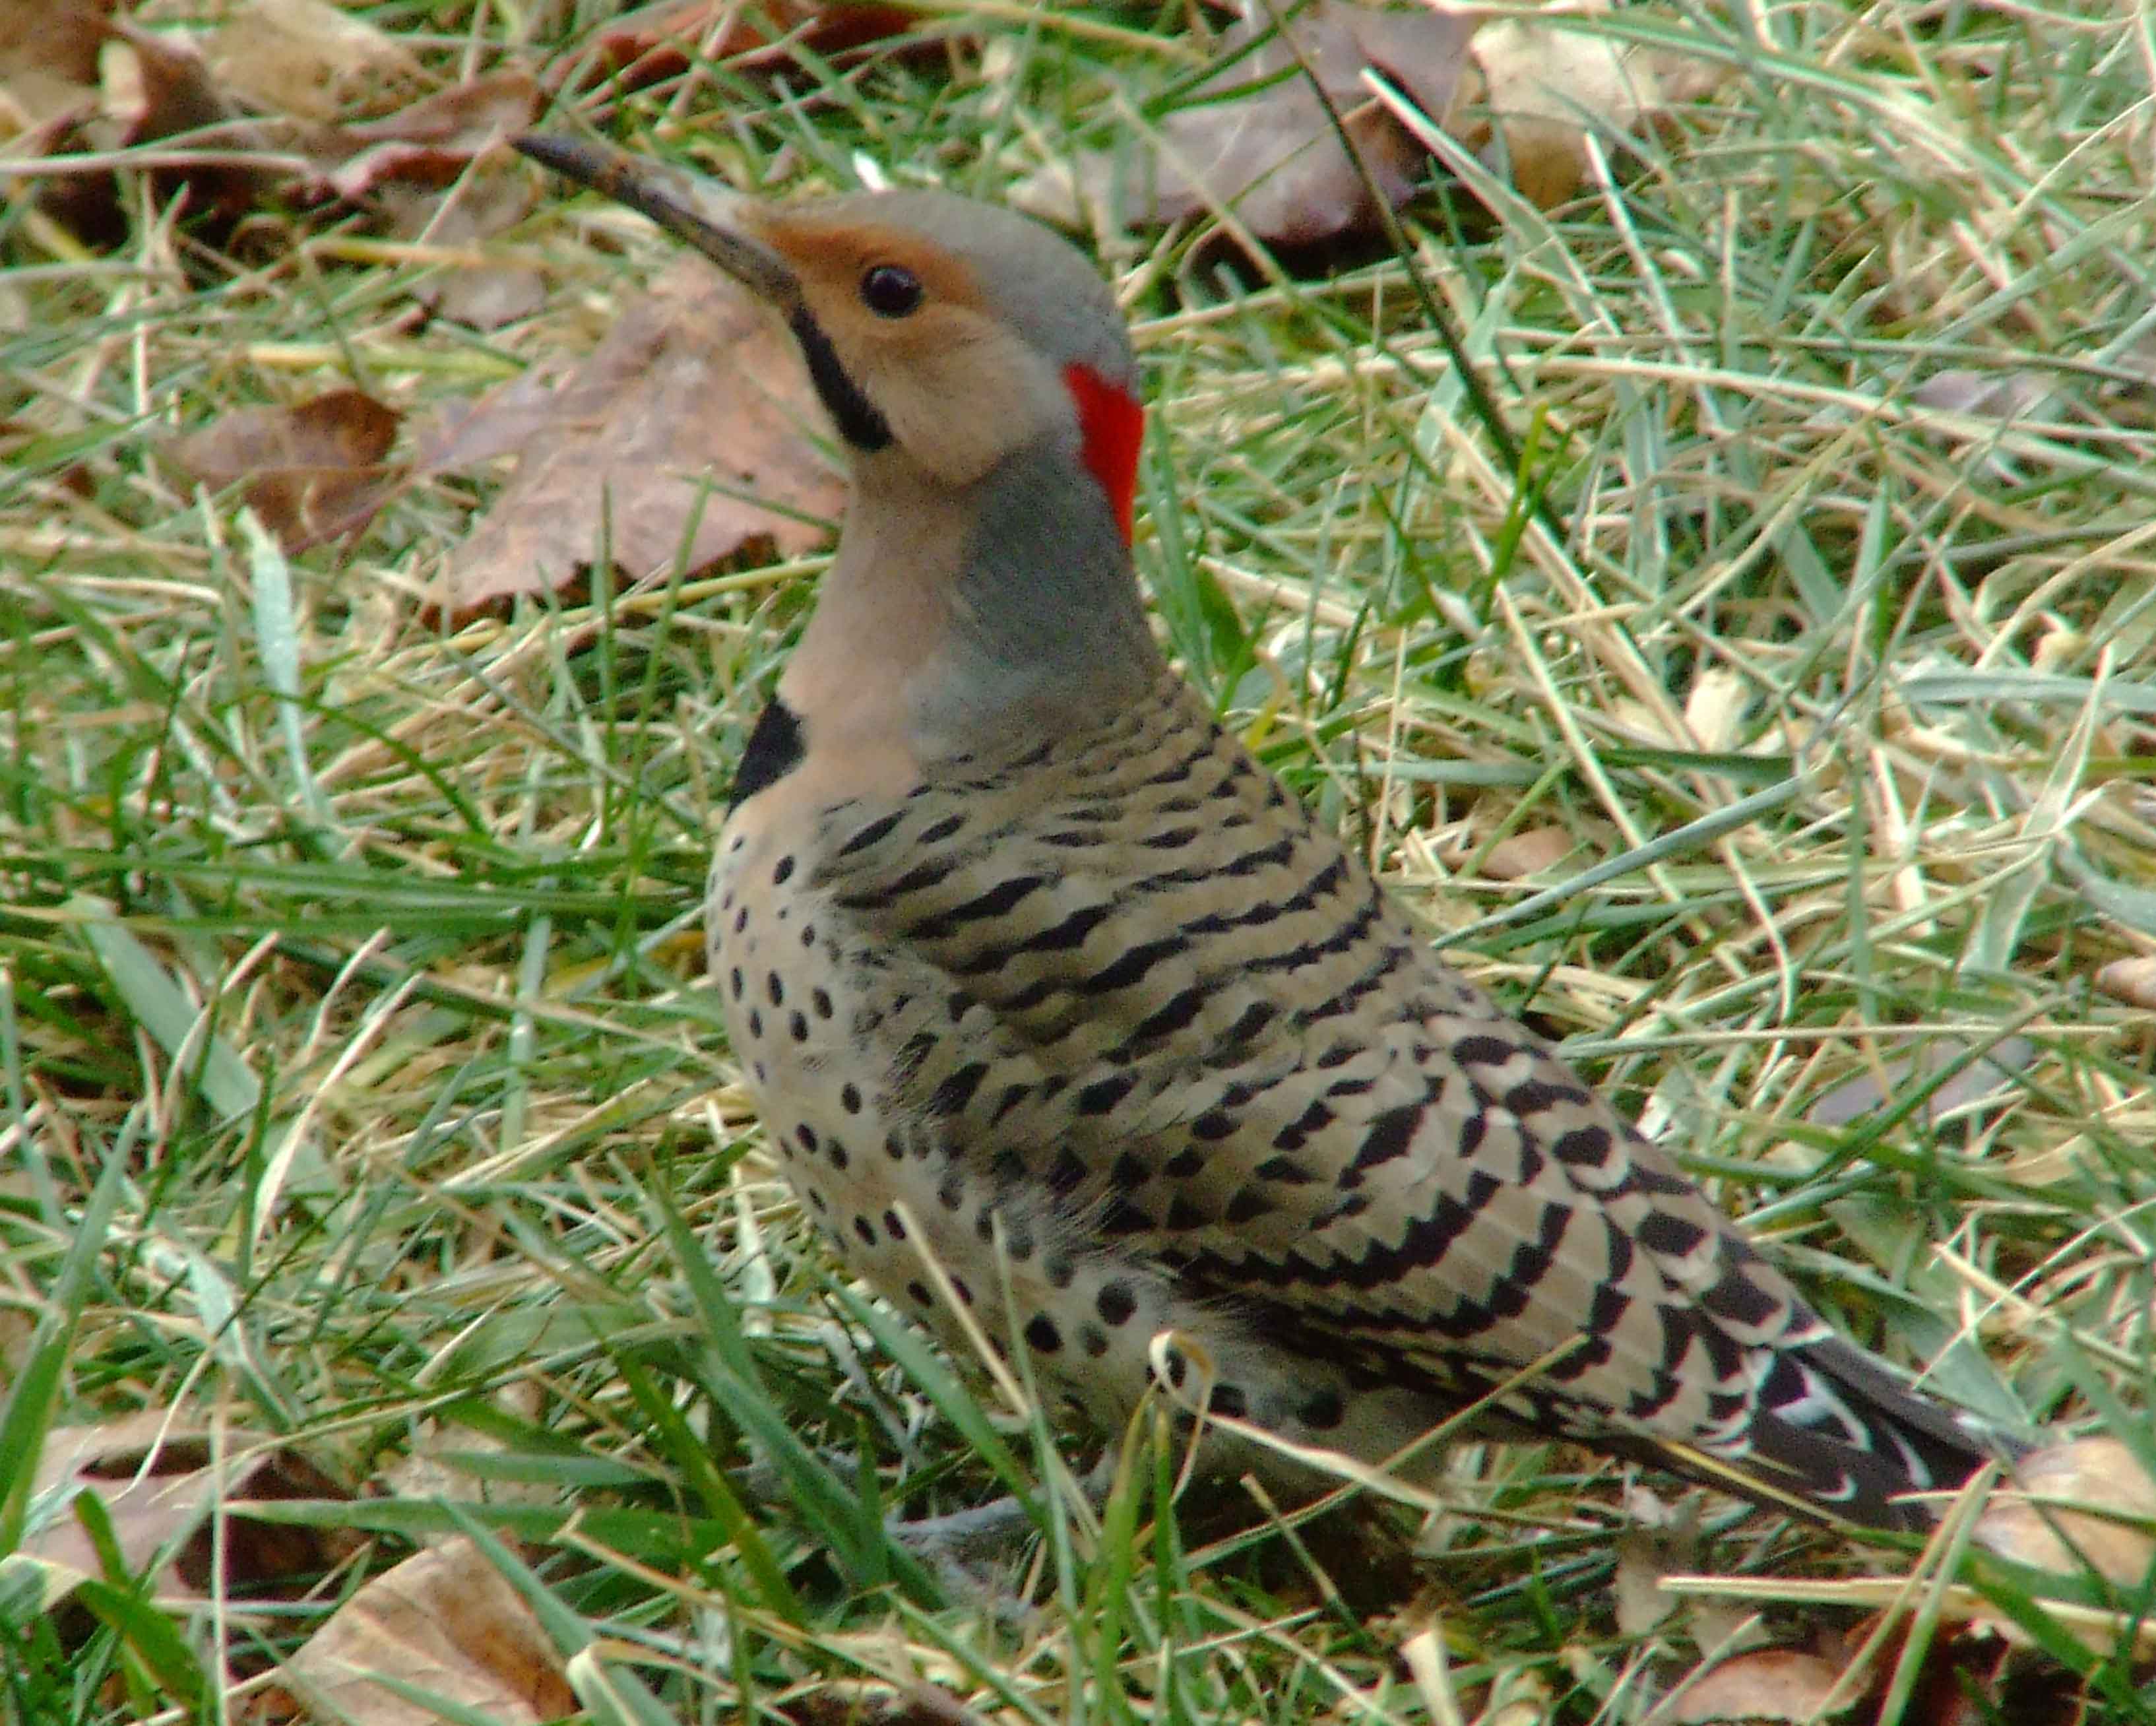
988, 616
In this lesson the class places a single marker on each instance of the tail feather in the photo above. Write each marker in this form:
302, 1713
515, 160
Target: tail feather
1836, 1429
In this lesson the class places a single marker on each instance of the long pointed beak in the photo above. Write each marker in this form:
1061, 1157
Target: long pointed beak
713, 218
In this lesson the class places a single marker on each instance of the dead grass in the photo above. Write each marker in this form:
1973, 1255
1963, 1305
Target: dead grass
370, 945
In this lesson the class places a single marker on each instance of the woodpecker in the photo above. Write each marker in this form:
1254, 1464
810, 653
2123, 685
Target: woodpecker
1037, 976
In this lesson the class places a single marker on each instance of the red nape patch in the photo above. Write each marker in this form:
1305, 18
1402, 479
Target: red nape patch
1112, 425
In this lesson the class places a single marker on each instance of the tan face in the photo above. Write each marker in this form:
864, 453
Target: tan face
915, 359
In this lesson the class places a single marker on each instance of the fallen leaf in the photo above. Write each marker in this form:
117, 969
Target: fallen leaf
2130, 980
159, 86
873, 1704
1715, 706
72, 77
1255, 137
2032, 1522
446, 1622
49, 60
312, 59
1526, 853
666, 39
1767, 1685
158, 1484
1989, 1080
1973, 1677
435, 139
694, 388
314, 472
1982, 395
1656, 1541
483, 203
1544, 85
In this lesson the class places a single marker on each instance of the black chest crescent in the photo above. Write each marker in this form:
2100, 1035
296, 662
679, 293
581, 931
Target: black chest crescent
774, 751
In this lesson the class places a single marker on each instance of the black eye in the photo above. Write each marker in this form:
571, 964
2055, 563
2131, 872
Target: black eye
889, 290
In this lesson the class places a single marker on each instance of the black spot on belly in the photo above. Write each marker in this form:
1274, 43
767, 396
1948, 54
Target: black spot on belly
774, 750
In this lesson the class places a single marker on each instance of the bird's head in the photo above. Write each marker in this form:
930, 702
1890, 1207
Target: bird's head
950, 333
984, 592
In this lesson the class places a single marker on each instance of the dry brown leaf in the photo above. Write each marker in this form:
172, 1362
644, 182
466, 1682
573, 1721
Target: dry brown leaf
1979, 1679
2130, 980
665, 39
72, 79
444, 1621
1983, 395
49, 53
314, 472
1527, 853
160, 86
1767, 1685
158, 1486
1270, 155
1988, 1081
1542, 84
694, 383
435, 139
1657, 1541
481, 204
872, 1704
2101, 1473
1968, 1675
1714, 707
312, 59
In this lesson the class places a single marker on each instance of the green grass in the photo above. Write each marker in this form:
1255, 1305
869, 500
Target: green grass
362, 1091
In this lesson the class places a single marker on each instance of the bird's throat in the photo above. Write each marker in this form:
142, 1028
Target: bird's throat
994, 611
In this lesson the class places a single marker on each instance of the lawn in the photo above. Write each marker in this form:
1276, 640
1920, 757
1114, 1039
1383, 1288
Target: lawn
1765, 708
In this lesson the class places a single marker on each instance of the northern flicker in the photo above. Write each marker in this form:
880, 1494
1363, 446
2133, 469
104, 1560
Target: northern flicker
1035, 972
